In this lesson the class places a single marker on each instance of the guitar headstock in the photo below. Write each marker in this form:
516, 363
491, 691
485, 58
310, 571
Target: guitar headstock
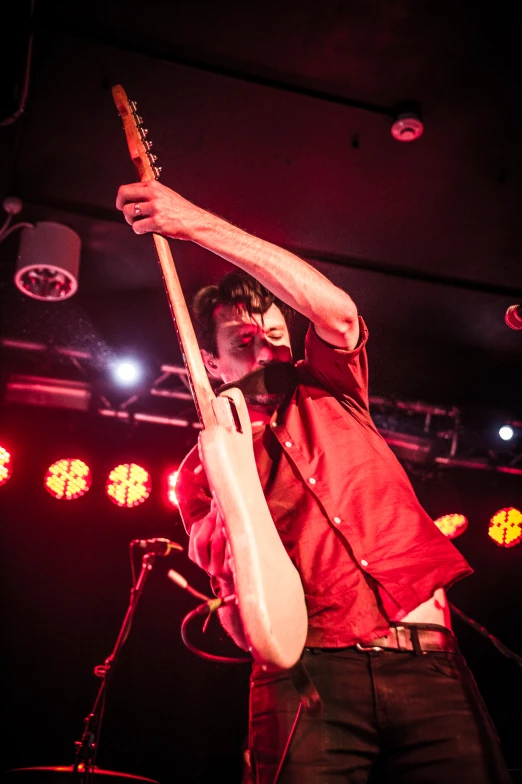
137, 142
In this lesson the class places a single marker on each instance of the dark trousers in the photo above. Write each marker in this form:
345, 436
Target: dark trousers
391, 717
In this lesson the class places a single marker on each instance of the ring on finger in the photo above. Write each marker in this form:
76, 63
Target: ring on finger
137, 210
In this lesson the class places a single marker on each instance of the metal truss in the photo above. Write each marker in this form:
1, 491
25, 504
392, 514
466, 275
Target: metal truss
419, 433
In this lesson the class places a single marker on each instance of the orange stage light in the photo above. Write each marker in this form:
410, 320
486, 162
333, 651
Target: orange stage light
68, 479
171, 484
5, 465
505, 527
452, 525
128, 485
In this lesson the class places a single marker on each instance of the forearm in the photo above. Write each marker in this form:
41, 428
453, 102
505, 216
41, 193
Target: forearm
230, 618
287, 276
290, 278
231, 623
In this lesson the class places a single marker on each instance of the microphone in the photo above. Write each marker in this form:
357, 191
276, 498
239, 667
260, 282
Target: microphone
157, 546
513, 317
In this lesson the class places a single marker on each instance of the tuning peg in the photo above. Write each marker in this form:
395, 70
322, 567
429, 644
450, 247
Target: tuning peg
152, 158
139, 120
144, 131
156, 171
133, 105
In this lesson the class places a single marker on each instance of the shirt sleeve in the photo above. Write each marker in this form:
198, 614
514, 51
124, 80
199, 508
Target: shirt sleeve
343, 372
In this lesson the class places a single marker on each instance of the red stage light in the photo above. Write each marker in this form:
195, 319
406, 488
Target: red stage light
452, 525
171, 484
128, 485
505, 527
5, 465
68, 479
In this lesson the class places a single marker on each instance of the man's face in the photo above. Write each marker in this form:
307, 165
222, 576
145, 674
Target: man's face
246, 343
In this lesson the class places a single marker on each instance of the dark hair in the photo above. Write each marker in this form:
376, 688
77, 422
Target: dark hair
236, 288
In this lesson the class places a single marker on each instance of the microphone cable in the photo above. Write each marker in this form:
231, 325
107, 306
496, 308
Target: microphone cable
208, 607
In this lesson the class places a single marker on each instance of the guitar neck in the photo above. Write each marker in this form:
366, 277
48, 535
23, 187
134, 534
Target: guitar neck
197, 375
144, 160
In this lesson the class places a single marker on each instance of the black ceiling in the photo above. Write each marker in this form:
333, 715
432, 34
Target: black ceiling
276, 116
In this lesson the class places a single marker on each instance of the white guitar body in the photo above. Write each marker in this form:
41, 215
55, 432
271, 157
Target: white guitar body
268, 587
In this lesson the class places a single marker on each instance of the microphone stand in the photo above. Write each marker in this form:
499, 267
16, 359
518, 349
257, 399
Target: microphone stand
87, 747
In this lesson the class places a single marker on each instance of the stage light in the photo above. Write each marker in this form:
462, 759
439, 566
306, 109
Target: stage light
126, 372
171, 485
505, 527
5, 465
506, 433
48, 261
68, 479
128, 485
452, 525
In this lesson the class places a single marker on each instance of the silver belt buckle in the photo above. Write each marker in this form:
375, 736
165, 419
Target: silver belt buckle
367, 648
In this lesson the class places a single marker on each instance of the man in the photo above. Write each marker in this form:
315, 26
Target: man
399, 704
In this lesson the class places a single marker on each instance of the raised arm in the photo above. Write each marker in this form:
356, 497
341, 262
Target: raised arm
293, 280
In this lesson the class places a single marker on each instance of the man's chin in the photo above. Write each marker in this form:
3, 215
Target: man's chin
269, 385
265, 400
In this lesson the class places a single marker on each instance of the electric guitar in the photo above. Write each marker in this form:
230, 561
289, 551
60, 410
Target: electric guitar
268, 589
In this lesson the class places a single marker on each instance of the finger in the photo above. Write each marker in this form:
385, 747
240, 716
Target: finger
218, 556
136, 210
145, 225
221, 552
207, 548
135, 191
200, 539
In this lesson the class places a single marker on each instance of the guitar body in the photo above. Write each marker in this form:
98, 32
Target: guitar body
268, 587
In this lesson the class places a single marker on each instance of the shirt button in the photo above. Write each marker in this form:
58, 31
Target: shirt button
288, 443
364, 562
337, 520
312, 480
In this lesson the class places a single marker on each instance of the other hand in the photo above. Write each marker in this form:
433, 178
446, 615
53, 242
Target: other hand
208, 546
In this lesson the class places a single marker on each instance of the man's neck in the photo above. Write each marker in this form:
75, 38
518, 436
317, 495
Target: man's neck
261, 415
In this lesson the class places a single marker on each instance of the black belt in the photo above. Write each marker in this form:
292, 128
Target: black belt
419, 638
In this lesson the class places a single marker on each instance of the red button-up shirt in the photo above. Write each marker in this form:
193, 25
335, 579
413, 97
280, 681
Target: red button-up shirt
343, 505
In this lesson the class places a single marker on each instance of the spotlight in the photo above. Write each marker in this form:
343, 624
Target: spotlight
452, 525
505, 527
126, 372
171, 485
128, 485
48, 262
68, 479
5, 465
506, 432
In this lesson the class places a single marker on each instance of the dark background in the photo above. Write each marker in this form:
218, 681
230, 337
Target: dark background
426, 237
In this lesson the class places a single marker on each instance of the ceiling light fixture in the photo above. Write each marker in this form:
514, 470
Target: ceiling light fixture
48, 262
407, 125
48, 257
